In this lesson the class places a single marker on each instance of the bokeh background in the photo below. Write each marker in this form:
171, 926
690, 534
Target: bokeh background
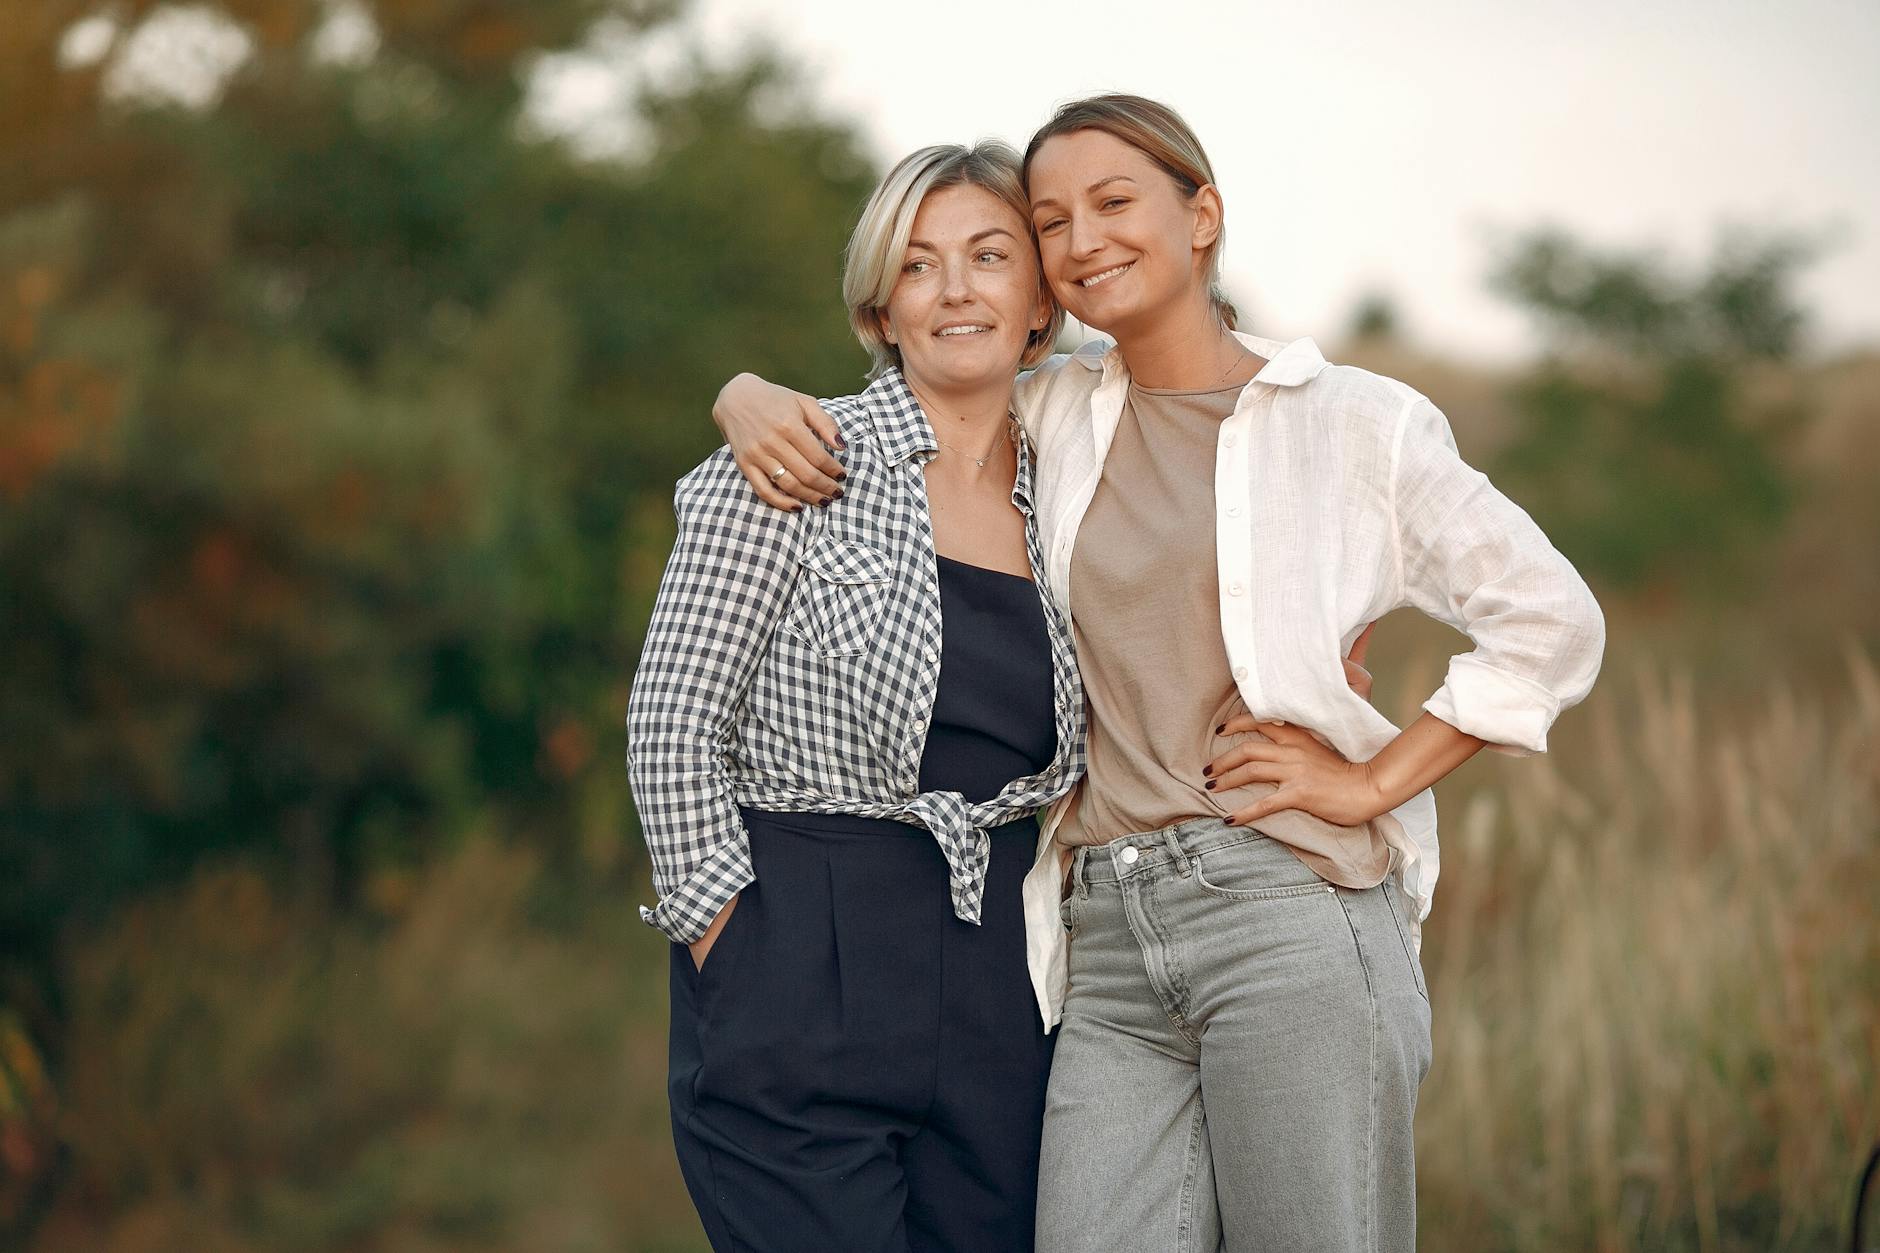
349, 352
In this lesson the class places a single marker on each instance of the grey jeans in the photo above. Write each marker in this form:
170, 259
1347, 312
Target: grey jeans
1239, 1058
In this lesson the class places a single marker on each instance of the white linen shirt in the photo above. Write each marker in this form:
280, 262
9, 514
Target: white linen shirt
1339, 496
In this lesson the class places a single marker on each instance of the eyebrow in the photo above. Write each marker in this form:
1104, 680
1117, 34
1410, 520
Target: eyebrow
989, 231
1102, 182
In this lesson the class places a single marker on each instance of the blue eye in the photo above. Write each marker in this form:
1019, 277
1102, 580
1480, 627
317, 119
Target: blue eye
914, 267
994, 254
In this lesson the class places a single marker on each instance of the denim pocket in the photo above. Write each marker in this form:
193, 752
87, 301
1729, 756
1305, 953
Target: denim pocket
1067, 912
1255, 869
1403, 934
839, 600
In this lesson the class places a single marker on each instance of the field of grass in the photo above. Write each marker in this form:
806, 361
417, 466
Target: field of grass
1654, 975
1654, 965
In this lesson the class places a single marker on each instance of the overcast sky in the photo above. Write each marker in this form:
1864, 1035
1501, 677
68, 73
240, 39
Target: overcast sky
1376, 145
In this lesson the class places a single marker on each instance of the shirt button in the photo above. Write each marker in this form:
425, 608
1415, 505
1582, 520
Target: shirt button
1130, 855
1228, 440
1240, 672
1233, 511
931, 654
1235, 589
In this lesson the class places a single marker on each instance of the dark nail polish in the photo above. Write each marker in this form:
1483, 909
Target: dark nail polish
1221, 728
1208, 771
838, 495
841, 474
825, 500
1210, 785
842, 443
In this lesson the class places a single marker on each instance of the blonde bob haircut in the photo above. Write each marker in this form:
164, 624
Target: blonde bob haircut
1159, 133
872, 264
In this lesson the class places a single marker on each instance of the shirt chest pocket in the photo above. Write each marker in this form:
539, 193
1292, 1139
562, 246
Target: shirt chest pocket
840, 597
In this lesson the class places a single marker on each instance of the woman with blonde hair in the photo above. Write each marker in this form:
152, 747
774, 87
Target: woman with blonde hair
839, 733
1245, 1022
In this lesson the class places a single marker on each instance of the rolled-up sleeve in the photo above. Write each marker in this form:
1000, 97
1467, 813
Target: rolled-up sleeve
1474, 559
731, 572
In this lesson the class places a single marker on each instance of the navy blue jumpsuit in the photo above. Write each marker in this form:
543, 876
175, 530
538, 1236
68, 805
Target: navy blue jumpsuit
855, 1068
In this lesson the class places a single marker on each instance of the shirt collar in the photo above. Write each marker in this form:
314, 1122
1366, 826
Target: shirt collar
897, 419
1021, 482
902, 427
1287, 364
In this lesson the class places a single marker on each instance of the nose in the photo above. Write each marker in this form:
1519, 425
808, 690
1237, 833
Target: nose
957, 288
1084, 240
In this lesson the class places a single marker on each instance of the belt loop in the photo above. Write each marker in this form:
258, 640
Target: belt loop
1172, 839
1080, 883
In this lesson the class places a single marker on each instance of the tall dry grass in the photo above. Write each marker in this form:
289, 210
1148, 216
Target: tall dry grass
480, 1066
1655, 968
1654, 964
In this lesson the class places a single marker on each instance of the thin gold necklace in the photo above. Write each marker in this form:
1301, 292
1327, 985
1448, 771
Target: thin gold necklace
980, 461
1240, 351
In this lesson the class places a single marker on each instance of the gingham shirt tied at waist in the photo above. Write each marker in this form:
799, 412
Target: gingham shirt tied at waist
792, 662
960, 831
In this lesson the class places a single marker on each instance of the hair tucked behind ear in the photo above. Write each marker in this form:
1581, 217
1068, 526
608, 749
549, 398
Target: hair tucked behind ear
1159, 133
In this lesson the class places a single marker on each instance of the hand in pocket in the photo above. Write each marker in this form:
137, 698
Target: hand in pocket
703, 945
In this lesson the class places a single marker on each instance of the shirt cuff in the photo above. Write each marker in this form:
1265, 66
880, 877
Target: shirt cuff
684, 913
1511, 713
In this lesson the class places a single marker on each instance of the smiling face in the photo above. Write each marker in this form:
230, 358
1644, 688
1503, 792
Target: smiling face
1120, 242
968, 293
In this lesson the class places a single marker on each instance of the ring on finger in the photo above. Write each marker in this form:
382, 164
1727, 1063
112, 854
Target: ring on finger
776, 476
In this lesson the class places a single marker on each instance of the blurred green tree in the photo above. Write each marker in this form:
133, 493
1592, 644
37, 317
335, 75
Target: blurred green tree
339, 417
1641, 450
1374, 318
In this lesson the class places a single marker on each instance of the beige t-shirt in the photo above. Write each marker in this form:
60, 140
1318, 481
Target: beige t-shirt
1145, 610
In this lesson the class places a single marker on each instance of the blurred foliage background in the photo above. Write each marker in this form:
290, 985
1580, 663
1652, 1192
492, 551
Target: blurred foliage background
339, 414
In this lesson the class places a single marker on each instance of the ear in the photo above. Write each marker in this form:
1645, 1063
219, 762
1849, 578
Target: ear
1209, 214
1041, 313
882, 324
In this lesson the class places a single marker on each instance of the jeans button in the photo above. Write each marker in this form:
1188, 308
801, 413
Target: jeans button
1130, 855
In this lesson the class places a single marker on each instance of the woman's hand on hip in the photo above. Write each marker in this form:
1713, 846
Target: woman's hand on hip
703, 945
772, 428
1306, 774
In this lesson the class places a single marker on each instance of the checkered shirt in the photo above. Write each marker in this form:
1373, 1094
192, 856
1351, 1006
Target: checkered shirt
792, 662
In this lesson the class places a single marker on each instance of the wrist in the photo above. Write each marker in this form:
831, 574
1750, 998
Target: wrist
1371, 786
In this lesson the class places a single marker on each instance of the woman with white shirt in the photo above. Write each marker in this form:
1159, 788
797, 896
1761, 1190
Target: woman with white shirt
1246, 1023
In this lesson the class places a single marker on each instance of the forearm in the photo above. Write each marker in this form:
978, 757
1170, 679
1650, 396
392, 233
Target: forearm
694, 836
781, 441
1422, 755
731, 572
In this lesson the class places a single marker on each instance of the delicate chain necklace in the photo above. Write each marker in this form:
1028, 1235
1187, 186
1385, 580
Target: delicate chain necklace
1240, 351
1010, 423
1221, 377
1240, 354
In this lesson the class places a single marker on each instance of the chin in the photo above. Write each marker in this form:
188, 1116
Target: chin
980, 359
965, 376
1110, 316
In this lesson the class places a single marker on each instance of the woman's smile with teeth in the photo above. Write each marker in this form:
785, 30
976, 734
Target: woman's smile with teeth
962, 330
1094, 279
